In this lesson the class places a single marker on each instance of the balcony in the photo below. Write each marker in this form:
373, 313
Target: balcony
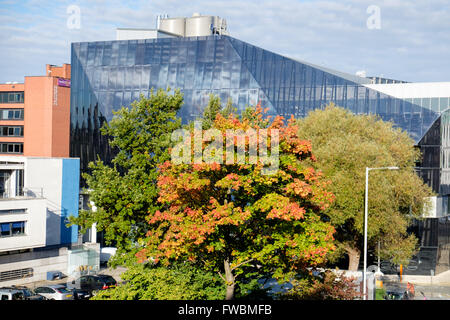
24, 193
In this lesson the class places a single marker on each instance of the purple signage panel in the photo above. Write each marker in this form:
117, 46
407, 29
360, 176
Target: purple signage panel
64, 82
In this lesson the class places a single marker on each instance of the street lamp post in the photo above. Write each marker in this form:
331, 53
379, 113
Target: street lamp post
366, 210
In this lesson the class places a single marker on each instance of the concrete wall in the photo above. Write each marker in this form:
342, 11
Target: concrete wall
127, 34
38, 116
71, 262
46, 117
59, 180
40, 261
414, 90
35, 223
46, 174
52, 195
140, 34
60, 121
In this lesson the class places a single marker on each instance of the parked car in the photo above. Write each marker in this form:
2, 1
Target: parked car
11, 294
27, 292
55, 292
79, 294
92, 283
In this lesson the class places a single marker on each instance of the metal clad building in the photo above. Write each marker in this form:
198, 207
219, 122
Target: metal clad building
184, 54
109, 74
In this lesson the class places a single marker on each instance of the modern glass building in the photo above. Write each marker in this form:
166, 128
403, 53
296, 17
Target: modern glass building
109, 74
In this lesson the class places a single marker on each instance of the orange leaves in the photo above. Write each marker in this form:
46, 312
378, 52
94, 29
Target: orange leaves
230, 181
299, 188
214, 166
212, 209
225, 214
291, 211
279, 207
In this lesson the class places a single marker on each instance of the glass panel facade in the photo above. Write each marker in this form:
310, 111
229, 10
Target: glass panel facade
111, 74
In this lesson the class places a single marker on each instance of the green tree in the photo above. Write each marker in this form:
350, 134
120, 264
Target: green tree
214, 108
345, 144
180, 281
232, 218
126, 192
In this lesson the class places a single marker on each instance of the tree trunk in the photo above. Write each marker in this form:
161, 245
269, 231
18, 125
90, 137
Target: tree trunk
353, 257
229, 277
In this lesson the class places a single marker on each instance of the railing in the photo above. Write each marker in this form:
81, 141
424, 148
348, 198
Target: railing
24, 193
33, 193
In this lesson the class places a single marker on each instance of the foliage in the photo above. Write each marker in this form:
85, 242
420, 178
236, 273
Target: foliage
345, 144
214, 108
180, 281
232, 216
326, 285
126, 192
379, 294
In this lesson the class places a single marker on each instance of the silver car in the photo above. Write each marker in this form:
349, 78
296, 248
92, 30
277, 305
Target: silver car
55, 292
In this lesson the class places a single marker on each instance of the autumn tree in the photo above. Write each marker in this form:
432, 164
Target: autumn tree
264, 213
345, 144
126, 192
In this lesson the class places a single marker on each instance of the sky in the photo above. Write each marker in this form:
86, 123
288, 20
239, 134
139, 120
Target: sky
398, 39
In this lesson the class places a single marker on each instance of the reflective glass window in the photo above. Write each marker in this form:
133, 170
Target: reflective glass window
435, 104
443, 104
426, 103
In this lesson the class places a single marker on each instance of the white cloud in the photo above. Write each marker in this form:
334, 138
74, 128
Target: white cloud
413, 42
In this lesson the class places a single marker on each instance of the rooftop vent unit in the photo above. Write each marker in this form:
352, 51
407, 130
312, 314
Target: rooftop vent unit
195, 26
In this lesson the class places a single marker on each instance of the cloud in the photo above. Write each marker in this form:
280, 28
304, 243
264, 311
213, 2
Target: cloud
413, 43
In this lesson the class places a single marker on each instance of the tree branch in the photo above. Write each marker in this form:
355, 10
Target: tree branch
222, 277
240, 264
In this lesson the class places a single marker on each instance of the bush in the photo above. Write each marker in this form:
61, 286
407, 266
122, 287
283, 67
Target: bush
324, 286
181, 281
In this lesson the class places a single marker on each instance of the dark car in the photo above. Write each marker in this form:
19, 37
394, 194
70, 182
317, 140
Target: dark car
27, 292
92, 283
79, 294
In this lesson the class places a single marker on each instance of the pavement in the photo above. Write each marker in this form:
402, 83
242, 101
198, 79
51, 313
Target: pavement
426, 287
422, 292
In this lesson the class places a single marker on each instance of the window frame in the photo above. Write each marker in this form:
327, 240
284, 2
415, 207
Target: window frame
10, 229
12, 97
10, 147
